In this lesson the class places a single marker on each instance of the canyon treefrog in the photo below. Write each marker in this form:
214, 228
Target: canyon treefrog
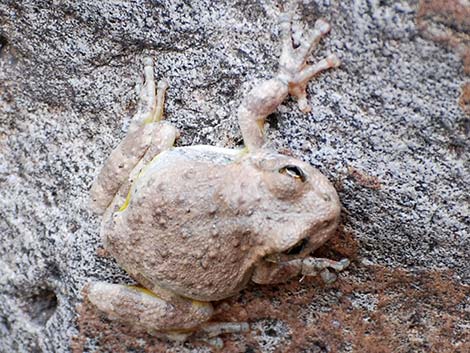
195, 224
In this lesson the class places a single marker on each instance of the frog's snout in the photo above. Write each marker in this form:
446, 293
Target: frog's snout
328, 198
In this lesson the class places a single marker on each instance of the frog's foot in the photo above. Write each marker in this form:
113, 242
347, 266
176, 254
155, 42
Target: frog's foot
151, 100
296, 48
210, 331
311, 266
214, 329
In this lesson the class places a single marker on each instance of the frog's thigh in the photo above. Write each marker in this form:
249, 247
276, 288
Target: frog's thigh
163, 139
146, 310
138, 148
119, 165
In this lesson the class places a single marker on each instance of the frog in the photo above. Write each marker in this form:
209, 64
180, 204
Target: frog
195, 224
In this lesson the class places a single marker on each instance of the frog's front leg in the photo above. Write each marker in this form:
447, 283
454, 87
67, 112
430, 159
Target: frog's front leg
292, 78
147, 136
160, 312
278, 272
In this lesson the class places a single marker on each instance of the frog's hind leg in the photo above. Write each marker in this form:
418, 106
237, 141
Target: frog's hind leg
147, 136
160, 312
147, 310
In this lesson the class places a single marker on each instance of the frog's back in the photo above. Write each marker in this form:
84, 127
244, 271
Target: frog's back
177, 222
198, 153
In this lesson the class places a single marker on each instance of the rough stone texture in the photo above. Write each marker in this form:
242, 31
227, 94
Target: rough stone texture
388, 127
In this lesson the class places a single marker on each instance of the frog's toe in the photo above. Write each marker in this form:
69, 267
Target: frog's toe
297, 46
208, 333
311, 266
148, 61
322, 26
327, 276
307, 42
216, 342
214, 329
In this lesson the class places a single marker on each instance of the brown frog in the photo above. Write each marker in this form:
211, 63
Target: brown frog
195, 224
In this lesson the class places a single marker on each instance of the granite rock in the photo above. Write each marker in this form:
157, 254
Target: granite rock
389, 128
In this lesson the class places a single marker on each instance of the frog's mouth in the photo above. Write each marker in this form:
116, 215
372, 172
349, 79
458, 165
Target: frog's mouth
299, 249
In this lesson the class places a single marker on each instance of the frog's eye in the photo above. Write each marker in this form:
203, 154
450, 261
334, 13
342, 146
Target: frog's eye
294, 172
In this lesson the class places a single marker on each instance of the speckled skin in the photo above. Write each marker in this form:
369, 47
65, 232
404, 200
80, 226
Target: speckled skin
195, 224
199, 226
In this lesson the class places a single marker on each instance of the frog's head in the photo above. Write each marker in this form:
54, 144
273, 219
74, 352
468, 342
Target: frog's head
301, 207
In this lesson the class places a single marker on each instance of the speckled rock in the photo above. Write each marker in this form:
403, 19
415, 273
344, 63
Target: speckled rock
388, 127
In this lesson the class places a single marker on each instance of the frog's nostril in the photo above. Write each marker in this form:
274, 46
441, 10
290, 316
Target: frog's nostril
326, 197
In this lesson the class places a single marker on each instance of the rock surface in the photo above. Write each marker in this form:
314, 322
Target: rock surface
388, 127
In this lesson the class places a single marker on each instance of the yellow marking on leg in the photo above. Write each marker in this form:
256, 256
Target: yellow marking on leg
126, 202
149, 118
199, 304
156, 114
144, 290
142, 171
243, 152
